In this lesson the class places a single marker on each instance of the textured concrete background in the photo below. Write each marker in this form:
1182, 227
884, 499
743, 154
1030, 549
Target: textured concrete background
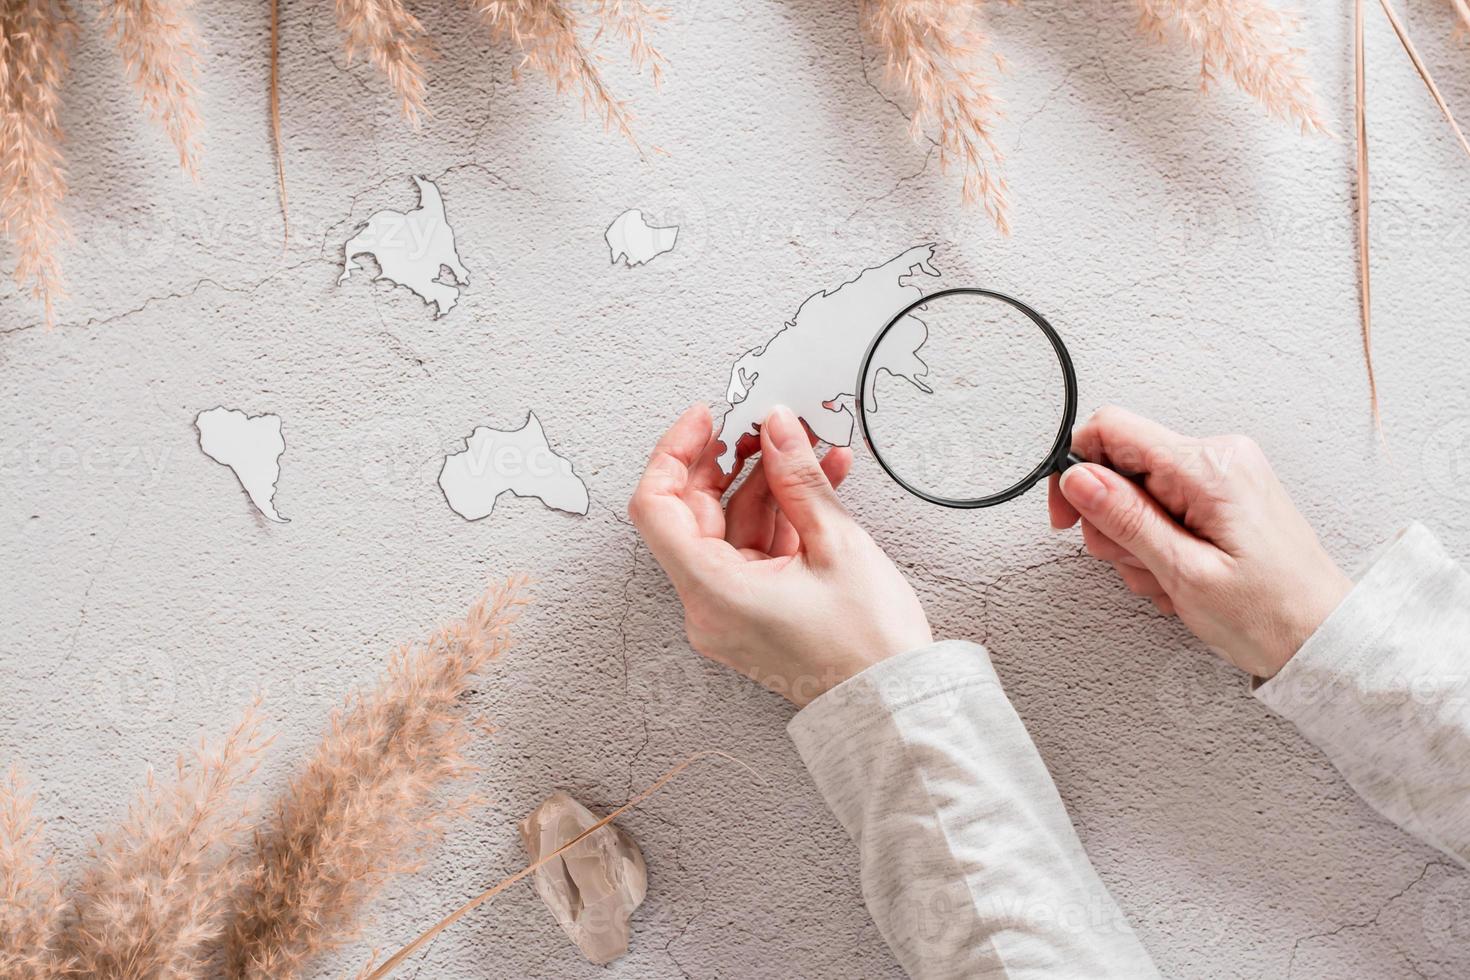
1197, 256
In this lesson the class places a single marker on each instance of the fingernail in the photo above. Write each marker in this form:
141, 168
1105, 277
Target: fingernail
1082, 488
786, 431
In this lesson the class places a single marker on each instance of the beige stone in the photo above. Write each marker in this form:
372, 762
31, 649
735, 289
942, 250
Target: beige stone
592, 888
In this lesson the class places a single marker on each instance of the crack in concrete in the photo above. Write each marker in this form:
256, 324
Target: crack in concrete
1370, 922
684, 929
184, 293
640, 707
897, 185
87, 595
981, 590
877, 89
424, 957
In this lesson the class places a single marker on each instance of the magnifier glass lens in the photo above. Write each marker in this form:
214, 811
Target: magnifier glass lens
997, 399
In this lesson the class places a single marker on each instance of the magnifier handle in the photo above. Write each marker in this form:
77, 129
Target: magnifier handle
1072, 459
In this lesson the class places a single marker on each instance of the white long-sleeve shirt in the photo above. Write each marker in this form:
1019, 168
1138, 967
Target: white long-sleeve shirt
970, 866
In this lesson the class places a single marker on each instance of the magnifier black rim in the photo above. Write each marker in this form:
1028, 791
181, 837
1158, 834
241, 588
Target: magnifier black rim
1060, 446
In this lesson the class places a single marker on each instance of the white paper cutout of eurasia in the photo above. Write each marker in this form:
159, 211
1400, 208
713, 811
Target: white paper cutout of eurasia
412, 249
811, 365
518, 460
631, 238
251, 445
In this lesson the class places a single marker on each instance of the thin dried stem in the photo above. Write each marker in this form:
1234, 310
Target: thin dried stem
393, 41
369, 800
155, 897
547, 34
31, 904
935, 53
160, 52
1423, 70
35, 37
1365, 282
1249, 41
394, 961
1463, 8
275, 103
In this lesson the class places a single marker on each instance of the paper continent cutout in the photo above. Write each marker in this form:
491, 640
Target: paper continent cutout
520, 461
251, 446
811, 364
412, 250
631, 238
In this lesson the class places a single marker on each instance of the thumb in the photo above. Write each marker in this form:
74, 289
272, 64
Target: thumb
1124, 511
798, 484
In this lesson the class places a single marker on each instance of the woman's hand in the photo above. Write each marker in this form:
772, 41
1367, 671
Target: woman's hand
779, 583
1210, 535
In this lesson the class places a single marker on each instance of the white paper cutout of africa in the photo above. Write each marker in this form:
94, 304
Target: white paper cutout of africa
635, 241
518, 460
812, 363
412, 250
251, 445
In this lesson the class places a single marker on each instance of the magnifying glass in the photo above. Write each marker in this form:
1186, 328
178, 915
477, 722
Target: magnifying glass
994, 414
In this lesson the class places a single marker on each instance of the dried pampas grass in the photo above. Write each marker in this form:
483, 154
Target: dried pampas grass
369, 800
31, 903
392, 39
182, 889
631, 20
160, 51
547, 33
1248, 41
35, 40
157, 893
936, 53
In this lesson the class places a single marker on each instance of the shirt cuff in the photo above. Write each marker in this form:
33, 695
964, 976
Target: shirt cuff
928, 678
1343, 647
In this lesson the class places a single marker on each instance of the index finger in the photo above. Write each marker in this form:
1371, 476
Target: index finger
1127, 442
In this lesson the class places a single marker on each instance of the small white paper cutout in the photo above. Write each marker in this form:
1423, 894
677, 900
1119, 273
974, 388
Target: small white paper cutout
412, 250
518, 460
249, 445
631, 238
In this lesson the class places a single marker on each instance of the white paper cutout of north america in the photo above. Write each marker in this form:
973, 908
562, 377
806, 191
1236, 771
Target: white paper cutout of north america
251, 445
811, 365
412, 250
631, 238
518, 460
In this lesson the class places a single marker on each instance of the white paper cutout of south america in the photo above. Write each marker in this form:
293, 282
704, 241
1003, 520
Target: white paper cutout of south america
412, 249
814, 360
631, 238
251, 445
518, 460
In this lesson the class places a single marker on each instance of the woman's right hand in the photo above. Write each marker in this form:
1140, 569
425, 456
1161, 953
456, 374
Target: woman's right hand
1209, 535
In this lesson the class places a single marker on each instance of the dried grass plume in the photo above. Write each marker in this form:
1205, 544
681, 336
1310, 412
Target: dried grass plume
160, 50
1248, 41
392, 39
547, 33
377, 791
157, 891
35, 40
936, 53
31, 903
